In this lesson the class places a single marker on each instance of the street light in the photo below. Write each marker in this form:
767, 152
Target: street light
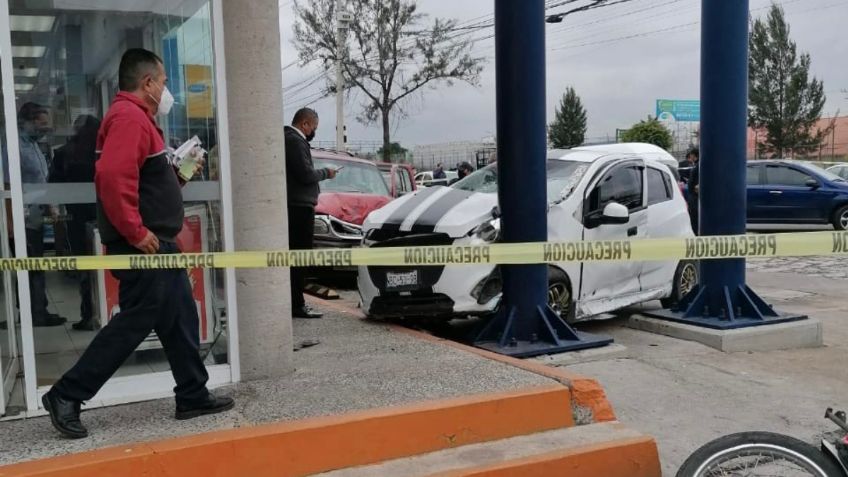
555, 18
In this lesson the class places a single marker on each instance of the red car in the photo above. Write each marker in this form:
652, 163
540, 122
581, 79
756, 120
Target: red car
345, 201
399, 177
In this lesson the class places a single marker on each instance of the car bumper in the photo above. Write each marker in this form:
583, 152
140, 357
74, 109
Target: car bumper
451, 295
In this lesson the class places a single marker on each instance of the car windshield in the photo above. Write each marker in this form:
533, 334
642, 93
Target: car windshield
829, 175
354, 177
563, 177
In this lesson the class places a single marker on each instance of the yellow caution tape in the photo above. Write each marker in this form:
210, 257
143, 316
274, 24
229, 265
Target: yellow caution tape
699, 248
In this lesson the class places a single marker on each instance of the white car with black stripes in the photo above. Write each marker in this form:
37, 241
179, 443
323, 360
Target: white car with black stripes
611, 192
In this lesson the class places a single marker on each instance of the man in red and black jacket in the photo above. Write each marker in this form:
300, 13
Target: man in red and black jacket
140, 210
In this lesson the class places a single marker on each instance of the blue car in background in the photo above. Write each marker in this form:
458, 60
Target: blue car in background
794, 192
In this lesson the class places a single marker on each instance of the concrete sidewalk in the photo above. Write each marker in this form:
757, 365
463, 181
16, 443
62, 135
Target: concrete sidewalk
358, 365
685, 394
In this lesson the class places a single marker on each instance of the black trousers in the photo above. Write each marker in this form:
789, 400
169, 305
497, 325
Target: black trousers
301, 227
150, 300
37, 279
693, 213
77, 231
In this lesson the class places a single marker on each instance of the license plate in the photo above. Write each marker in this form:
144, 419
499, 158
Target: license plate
401, 280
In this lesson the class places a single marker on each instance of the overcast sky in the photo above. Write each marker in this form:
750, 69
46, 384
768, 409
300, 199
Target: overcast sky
620, 59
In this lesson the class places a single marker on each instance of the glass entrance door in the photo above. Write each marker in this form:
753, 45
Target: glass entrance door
61, 75
10, 384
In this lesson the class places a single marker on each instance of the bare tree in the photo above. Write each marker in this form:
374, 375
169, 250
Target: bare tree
393, 56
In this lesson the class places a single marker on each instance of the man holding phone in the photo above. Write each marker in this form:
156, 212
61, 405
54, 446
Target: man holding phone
302, 185
140, 210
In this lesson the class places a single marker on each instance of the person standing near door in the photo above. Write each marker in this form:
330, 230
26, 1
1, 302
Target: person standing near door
302, 192
694, 187
34, 124
74, 163
139, 210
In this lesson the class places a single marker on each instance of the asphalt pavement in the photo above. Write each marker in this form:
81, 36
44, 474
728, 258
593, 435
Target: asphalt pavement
686, 394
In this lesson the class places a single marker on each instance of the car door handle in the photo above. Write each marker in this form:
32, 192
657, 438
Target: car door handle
776, 192
632, 231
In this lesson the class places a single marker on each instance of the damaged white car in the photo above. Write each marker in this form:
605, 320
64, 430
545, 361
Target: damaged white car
594, 193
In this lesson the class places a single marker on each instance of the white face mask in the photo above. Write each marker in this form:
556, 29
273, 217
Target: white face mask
166, 102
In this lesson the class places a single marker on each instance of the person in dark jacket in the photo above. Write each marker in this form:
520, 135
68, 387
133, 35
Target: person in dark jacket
74, 162
140, 210
463, 171
302, 185
439, 172
694, 187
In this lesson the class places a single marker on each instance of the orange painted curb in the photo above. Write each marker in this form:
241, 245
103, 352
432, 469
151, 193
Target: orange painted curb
637, 457
586, 392
317, 445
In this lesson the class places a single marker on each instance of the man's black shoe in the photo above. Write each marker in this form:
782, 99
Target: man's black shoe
306, 313
85, 325
64, 414
48, 319
212, 405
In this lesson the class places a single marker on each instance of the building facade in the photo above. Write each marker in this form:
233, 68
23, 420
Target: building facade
59, 61
451, 154
834, 146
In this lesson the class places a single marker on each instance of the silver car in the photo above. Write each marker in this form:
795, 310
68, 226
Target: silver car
840, 170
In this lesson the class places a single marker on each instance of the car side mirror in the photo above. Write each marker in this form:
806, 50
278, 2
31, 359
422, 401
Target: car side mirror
812, 184
615, 213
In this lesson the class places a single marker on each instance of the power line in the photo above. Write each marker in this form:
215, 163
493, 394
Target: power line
627, 37
483, 22
677, 27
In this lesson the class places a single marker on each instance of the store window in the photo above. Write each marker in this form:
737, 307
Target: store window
65, 57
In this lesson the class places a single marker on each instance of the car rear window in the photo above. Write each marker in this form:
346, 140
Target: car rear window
659, 187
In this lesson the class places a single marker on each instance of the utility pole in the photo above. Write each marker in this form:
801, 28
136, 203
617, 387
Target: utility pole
343, 19
833, 144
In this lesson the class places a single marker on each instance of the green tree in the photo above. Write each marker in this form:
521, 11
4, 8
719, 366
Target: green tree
651, 131
569, 127
396, 53
395, 150
784, 101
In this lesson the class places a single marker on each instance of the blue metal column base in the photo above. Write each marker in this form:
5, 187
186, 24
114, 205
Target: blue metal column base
553, 335
740, 307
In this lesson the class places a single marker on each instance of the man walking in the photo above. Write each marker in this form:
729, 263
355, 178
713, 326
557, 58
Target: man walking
140, 210
302, 185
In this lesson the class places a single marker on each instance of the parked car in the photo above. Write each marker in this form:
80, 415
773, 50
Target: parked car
399, 178
425, 179
794, 192
345, 201
592, 195
840, 170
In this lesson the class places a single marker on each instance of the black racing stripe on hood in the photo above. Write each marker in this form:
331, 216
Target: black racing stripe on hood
427, 221
401, 213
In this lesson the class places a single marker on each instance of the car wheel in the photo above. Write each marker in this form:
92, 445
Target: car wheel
560, 298
840, 218
686, 279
